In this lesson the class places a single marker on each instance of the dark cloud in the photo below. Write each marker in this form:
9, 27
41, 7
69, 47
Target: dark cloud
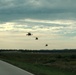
37, 9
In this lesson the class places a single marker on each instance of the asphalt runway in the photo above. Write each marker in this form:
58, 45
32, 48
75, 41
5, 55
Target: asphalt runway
8, 69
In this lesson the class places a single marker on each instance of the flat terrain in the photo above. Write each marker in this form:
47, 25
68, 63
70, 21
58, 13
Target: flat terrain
43, 63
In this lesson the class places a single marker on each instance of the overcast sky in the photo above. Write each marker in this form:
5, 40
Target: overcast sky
53, 21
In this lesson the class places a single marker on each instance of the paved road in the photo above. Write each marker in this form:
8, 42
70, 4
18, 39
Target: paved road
8, 69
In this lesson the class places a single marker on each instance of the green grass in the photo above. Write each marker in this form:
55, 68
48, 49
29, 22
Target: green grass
43, 64
39, 69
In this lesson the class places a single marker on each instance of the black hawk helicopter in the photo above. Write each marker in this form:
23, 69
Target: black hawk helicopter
36, 38
46, 45
29, 34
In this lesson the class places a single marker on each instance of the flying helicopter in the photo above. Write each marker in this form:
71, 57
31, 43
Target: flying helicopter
36, 38
29, 34
46, 45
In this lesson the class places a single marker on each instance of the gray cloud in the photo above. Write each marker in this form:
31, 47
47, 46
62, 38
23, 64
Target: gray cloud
38, 9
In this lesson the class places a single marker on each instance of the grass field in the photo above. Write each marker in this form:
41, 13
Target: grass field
43, 63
